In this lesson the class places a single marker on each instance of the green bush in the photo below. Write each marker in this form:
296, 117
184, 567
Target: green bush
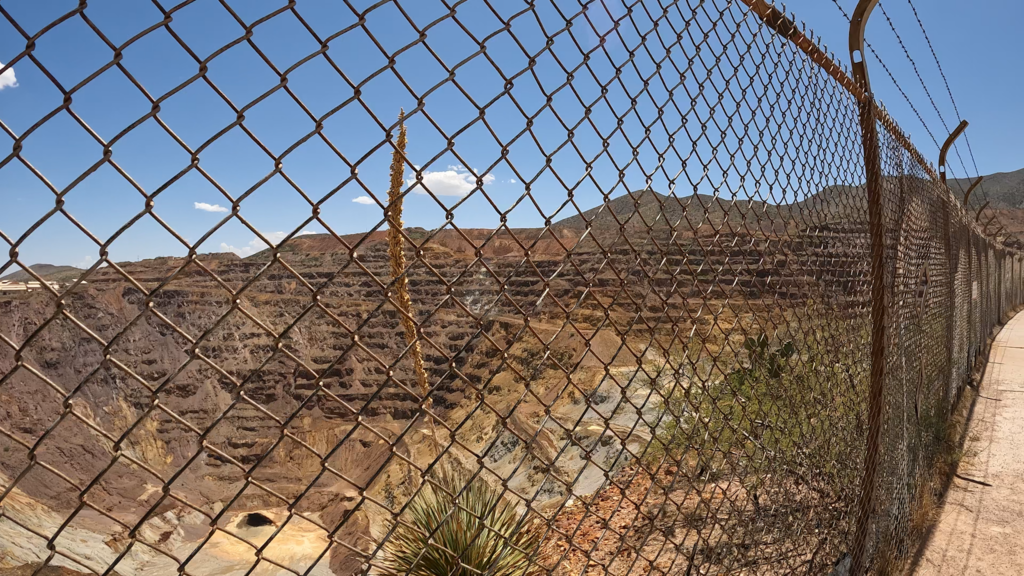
792, 406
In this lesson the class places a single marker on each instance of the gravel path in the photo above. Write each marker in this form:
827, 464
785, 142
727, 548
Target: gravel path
981, 527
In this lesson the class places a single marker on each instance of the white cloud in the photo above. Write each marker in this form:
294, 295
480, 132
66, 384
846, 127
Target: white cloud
455, 181
512, 181
255, 245
210, 207
85, 262
363, 200
7, 79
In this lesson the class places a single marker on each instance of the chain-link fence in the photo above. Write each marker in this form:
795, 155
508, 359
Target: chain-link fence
636, 338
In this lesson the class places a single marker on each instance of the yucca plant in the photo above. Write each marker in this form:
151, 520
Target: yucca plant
478, 532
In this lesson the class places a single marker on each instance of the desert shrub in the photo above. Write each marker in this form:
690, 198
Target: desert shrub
460, 527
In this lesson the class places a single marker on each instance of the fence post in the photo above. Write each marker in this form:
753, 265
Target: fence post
876, 223
1002, 284
970, 273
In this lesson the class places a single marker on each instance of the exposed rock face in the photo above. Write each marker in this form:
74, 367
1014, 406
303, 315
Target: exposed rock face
172, 404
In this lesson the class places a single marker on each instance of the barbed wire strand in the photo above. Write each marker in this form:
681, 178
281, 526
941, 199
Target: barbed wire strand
892, 77
924, 85
956, 109
982, 194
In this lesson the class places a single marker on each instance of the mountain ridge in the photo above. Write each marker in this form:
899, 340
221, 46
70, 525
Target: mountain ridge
52, 272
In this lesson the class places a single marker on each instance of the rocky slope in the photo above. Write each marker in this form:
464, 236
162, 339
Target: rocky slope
1003, 189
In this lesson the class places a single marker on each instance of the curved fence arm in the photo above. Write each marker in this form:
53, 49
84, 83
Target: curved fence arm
858, 23
947, 145
967, 195
977, 217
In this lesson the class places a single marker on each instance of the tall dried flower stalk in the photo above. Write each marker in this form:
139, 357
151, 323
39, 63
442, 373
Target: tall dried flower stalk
396, 255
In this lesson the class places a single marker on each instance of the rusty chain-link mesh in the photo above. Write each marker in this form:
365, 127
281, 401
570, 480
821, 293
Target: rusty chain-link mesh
652, 358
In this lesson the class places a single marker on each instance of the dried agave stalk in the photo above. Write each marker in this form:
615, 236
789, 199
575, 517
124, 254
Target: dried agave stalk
396, 255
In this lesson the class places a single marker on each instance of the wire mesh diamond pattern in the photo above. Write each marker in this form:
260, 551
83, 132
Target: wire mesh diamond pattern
638, 284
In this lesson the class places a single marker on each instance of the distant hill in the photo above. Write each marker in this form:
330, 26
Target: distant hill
48, 272
1003, 189
640, 210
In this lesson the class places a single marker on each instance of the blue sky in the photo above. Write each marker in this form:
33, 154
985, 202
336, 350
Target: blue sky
61, 150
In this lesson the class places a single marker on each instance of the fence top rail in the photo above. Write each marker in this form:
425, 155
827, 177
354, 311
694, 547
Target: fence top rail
786, 28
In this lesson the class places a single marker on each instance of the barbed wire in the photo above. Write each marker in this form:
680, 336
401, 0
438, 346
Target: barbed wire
924, 86
949, 91
982, 195
892, 77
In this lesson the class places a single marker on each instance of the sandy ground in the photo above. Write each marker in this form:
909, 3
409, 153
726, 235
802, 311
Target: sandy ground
981, 527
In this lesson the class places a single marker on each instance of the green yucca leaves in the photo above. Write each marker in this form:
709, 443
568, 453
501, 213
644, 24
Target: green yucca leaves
477, 533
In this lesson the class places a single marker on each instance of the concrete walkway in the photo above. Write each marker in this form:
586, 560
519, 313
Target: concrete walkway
981, 527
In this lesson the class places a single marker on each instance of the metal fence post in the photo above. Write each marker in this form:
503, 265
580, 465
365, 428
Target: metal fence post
1002, 284
943, 152
970, 263
876, 222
